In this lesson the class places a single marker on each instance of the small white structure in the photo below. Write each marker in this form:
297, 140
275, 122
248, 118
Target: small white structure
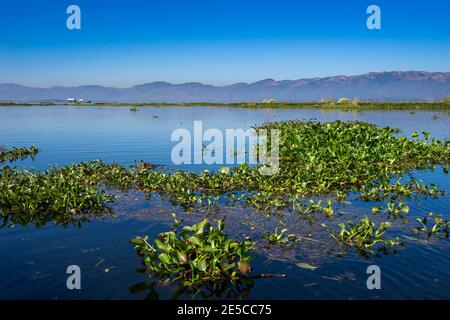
71, 100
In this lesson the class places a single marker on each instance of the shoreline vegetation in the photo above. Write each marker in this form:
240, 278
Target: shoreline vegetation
343, 103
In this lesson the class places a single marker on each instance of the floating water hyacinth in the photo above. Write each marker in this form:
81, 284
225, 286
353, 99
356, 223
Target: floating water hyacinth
15, 154
364, 236
320, 164
195, 254
438, 226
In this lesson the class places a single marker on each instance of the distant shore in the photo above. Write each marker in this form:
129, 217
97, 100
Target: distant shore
444, 105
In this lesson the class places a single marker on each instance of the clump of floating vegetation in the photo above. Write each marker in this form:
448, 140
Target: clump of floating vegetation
438, 226
195, 254
364, 236
280, 237
15, 154
326, 159
62, 195
67, 195
321, 164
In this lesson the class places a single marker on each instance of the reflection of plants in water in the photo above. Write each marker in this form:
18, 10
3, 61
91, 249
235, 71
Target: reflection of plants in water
364, 236
438, 226
219, 289
195, 254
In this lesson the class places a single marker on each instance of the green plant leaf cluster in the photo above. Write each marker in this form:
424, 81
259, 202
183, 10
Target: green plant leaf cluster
195, 254
15, 153
438, 226
364, 236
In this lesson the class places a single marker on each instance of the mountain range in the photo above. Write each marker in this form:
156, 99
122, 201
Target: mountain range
373, 86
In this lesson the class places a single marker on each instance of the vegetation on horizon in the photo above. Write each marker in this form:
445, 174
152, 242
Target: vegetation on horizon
343, 103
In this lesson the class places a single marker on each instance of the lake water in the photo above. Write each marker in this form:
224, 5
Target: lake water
33, 261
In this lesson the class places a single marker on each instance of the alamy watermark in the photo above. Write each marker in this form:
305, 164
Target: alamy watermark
236, 146
374, 280
74, 280
73, 22
374, 20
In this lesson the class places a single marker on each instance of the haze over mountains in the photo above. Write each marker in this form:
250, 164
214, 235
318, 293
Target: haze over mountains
373, 86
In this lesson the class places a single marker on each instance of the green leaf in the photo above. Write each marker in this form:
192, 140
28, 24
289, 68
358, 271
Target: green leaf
164, 257
201, 265
159, 244
138, 241
208, 249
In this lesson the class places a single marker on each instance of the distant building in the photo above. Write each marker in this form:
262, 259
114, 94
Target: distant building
80, 100
269, 101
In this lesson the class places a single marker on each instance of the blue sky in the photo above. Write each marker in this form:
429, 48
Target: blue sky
122, 43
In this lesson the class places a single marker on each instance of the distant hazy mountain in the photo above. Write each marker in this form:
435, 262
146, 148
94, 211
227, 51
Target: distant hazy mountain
377, 86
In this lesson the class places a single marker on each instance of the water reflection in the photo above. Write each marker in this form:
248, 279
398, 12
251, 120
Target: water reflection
225, 289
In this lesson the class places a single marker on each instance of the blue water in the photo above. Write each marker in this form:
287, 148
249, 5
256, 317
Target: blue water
33, 261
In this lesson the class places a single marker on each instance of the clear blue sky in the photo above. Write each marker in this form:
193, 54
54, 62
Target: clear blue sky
122, 43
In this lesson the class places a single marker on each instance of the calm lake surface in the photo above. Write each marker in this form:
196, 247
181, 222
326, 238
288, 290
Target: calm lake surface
33, 260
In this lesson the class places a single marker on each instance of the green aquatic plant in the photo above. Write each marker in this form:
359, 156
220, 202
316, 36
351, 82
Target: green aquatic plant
279, 237
134, 109
393, 191
64, 196
334, 158
195, 254
337, 156
397, 208
313, 206
364, 236
317, 160
438, 227
321, 164
15, 154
